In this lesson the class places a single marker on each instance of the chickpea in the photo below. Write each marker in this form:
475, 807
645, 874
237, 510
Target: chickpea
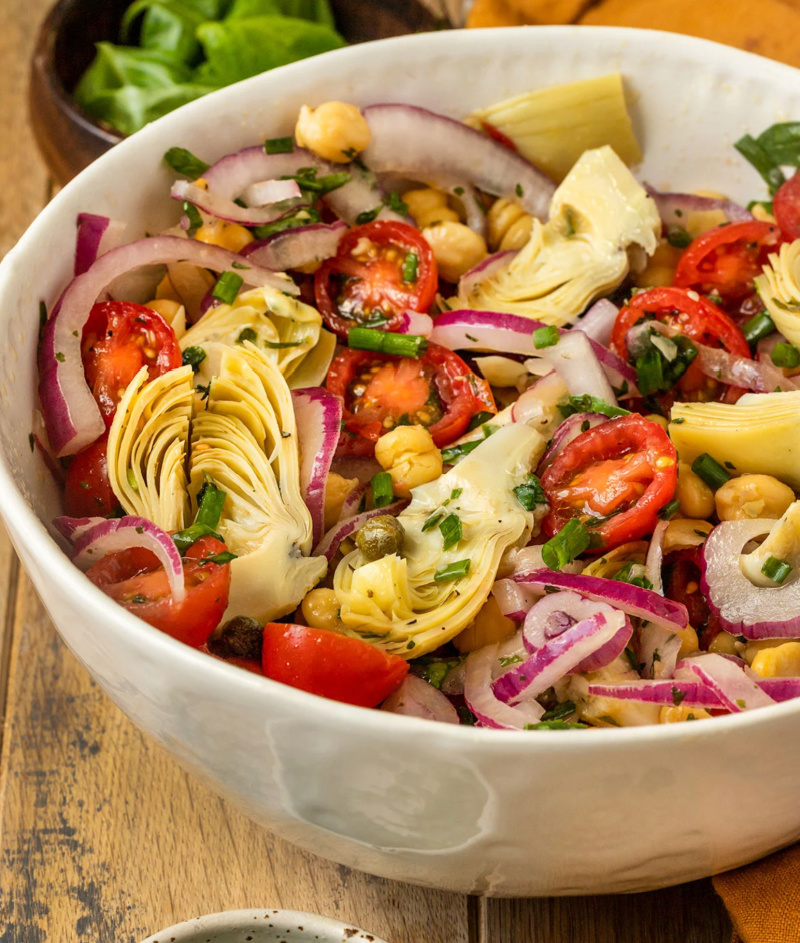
676, 715
508, 225
488, 627
684, 533
654, 417
782, 661
762, 214
409, 455
165, 291
165, 307
752, 496
518, 234
334, 130
696, 498
723, 644
429, 207
660, 267
336, 491
219, 232
320, 609
753, 648
689, 642
456, 248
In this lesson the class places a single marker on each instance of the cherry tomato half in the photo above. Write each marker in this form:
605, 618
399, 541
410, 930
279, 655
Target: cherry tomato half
380, 270
136, 580
119, 339
331, 665
682, 574
786, 207
614, 478
438, 391
727, 258
87, 490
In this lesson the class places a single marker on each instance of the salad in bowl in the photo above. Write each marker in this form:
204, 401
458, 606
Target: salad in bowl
460, 419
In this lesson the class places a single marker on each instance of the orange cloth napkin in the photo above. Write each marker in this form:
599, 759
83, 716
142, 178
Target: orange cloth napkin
763, 899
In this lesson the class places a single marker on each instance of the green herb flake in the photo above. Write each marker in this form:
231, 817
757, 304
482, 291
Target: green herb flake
776, 570
409, 270
530, 493
247, 334
279, 145
570, 542
591, 404
710, 470
452, 531
453, 571
382, 489
432, 521
184, 162
193, 357
545, 337
227, 287
677, 695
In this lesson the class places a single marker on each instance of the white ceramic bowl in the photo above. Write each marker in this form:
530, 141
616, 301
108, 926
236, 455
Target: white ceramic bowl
454, 807
262, 926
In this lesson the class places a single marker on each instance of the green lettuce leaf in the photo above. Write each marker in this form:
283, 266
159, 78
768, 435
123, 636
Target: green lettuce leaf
169, 26
316, 11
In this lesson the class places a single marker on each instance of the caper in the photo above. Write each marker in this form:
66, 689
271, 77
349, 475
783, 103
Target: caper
240, 637
380, 536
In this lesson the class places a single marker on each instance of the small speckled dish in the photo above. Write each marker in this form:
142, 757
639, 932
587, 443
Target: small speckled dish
263, 926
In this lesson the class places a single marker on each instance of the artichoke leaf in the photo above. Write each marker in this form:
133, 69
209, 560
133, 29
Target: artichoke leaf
147, 446
598, 216
779, 289
244, 439
283, 329
395, 602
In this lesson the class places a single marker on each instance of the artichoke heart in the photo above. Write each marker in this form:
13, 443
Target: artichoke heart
779, 289
396, 602
284, 329
244, 439
147, 446
597, 215
782, 542
760, 434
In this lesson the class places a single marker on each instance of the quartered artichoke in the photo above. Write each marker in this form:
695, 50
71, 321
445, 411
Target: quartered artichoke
244, 439
760, 434
284, 329
396, 602
147, 446
597, 215
779, 289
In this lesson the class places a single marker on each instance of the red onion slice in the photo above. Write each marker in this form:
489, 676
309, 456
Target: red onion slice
756, 612
514, 599
71, 528
742, 372
267, 192
351, 503
673, 208
485, 269
598, 322
71, 415
96, 235
655, 556
633, 600
414, 322
215, 205
575, 361
671, 693
319, 417
658, 650
780, 689
296, 247
417, 698
481, 700
729, 681
124, 533
329, 544
567, 432
421, 145
558, 657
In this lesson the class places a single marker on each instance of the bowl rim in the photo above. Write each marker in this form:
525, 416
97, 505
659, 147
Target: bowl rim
52, 560
196, 929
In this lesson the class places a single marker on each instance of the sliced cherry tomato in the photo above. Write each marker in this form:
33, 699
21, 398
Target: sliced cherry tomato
331, 665
380, 270
682, 575
87, 490
614, 478
119, 339
697, 318
136, 580
727, 258
438, 391
786, 207
497, 135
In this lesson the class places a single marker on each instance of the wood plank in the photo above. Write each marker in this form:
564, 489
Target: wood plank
103, 837
691, 913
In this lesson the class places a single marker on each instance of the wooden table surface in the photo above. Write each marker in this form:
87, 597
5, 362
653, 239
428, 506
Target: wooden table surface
103, 838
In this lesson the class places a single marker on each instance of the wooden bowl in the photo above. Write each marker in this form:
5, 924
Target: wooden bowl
70, 139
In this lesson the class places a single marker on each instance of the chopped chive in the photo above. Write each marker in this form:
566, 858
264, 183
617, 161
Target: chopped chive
432, 521
626, 575
670, 509
451, 455
757, 327
395, 203
649, 372
451, 531
193, 357
677, 695
366, 216
210, 501
518, 190
453, 571
478, 420
410, 268
776, 570
385, 342
545, 337
303, 217
530, 493
678, 238
455, 494
569, 543
560, 711
279, 145
710, 470
184, 162
247, 334
281, 345
219, 558
227, 287
193, 215
785, 355
382, 489
591, 404
556, 725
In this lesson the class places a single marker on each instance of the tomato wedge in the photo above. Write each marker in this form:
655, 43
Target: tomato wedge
119, 339
786, 207
87, 490
331, 665
727, 258
614, 478
682, 575
381, 269
697, 318
379, 391
136, 580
